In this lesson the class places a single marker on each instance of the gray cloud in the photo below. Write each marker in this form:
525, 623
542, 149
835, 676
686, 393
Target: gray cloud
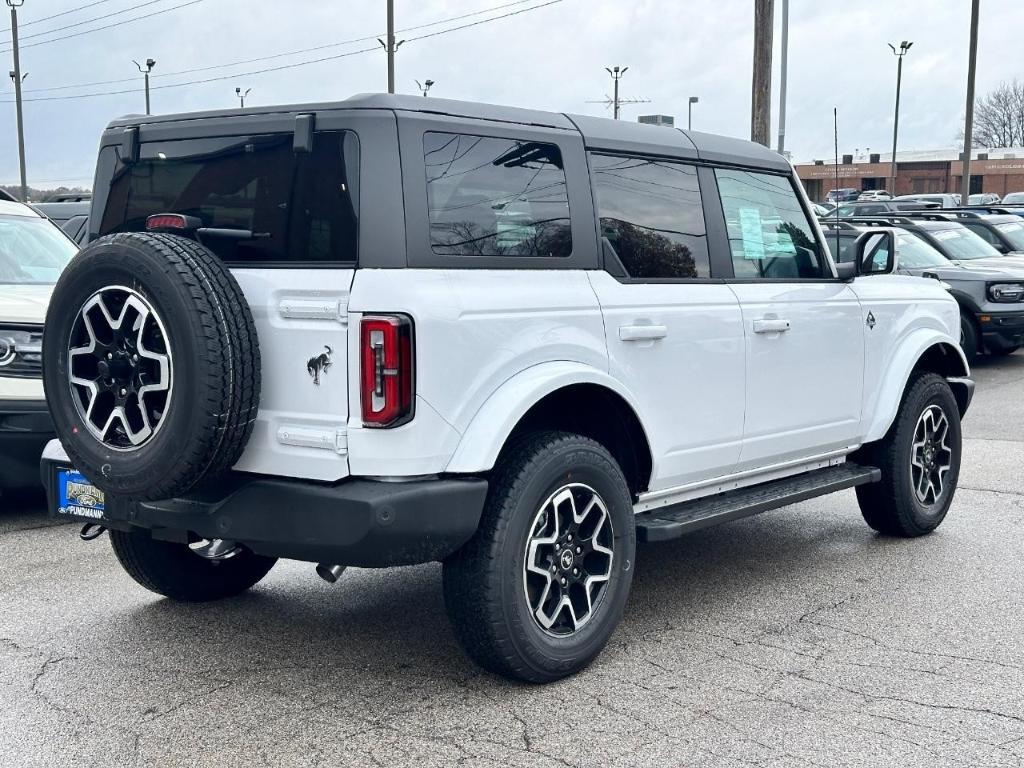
553, 58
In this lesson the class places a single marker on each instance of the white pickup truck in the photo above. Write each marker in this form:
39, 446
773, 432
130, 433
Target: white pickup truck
390, 331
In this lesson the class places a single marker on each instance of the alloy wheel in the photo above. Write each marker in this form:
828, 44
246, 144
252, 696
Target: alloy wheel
931, 456
120, 368
568, 559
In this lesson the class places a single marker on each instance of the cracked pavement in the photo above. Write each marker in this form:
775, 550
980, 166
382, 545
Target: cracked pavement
795, 638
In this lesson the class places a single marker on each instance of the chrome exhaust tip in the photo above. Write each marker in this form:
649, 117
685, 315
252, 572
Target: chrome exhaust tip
91, 531
329, 573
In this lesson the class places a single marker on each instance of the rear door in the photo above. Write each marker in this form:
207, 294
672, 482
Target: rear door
803, 328
674, 335
288, 230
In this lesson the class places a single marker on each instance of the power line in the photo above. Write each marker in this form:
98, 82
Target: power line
290, 66
281, 55
108, 26
90, 21
57, 15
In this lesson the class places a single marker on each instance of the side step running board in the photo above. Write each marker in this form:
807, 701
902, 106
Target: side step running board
674, 521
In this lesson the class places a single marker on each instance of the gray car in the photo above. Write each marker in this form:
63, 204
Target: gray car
988, 286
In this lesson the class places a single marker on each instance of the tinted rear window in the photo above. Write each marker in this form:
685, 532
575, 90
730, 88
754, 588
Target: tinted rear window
490, 196
300, 208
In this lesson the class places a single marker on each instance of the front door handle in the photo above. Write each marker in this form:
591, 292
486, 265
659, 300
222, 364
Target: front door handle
771, 325
642, 332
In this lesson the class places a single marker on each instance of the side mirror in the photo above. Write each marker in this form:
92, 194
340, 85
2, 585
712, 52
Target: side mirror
875, 253
846, 270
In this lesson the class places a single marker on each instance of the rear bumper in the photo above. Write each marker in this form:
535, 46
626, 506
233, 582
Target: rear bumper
25, 428
357, 522
1002, 331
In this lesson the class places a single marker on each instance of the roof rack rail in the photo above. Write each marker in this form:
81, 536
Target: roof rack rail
833, 224
881, 221
982, 209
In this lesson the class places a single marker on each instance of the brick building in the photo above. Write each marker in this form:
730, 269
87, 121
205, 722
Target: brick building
992, 170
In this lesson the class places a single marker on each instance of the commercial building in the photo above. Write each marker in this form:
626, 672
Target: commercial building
999, 171
667, 121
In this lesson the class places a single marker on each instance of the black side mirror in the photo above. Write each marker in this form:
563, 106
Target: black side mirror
875, 253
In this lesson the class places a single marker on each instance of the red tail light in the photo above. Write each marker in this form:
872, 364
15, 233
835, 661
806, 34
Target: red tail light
174, 222
386, 373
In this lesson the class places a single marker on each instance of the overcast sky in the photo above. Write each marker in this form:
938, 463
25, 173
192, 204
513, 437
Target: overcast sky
550, 58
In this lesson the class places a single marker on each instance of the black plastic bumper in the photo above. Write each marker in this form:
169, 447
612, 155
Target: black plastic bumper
25, 427
363, 523
1003, 331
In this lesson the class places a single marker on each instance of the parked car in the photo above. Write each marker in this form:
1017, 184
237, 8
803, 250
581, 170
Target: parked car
72, 217
1014, 198
1004, 232
858, 208
875, 194
33, 251
842, 195
985, 198
944, 200
69, 197
990, 296
545, 360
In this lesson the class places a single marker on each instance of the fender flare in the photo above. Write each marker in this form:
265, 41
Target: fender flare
890, 393
492, 424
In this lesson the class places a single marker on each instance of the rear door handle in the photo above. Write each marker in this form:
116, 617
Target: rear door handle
642, 332
771, 325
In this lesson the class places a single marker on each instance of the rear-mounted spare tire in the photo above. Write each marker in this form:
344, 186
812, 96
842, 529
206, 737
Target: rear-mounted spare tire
151, 365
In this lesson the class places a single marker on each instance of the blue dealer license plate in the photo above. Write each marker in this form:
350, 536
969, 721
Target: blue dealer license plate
77, 497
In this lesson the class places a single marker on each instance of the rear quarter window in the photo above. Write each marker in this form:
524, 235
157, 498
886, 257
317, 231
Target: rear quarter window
298, 207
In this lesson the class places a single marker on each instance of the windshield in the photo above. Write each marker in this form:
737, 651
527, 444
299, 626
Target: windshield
1014, 233
32, 251
1014, 197
915, 253
960, 243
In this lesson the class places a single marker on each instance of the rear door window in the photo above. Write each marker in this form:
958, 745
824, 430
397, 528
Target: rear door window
287, 207
489, 196
651, 215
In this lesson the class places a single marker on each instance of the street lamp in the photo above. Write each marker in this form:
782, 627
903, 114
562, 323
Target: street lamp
241, 96
904, 47
424, 86
689, 112
150, 63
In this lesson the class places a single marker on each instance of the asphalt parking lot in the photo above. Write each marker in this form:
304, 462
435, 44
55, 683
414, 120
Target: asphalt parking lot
795, 638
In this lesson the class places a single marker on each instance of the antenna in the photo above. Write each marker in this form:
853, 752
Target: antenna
835, 135
614, 101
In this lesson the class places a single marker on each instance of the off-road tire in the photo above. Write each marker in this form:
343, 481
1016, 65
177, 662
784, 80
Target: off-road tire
215, 363
891, 506
970, 337
172, 570
484, 581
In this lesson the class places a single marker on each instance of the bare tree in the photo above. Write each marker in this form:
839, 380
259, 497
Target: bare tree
999, 117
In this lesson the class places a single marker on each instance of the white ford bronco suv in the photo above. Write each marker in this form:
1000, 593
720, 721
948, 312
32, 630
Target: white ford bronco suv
390, 330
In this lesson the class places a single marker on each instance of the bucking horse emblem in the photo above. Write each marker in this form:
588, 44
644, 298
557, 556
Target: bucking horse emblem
319, 364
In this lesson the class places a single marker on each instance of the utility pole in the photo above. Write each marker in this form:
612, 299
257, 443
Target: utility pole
241, 96
14, 5
761, 87
424, 86
391, 46
689, 112
150, 63
965, 185
783, 66
904, 47
616, 74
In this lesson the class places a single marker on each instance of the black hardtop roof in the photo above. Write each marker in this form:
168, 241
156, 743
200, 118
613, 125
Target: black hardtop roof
597, 132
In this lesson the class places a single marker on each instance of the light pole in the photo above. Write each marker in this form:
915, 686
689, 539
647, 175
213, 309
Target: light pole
616, 74
689, 112
972, 63
241, 96
391, 46
904, 47
424, 86
783, 76
14, 5
150, 63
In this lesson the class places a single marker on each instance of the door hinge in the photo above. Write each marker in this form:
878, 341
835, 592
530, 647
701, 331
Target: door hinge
335, 440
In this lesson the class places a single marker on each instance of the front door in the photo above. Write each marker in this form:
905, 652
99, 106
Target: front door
803, 329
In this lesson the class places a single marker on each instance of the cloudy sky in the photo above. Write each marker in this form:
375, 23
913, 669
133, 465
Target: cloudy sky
550, 58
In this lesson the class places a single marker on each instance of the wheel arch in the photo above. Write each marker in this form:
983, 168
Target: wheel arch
922, 351
559, 396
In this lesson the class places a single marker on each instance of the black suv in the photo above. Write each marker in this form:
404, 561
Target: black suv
988, 286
